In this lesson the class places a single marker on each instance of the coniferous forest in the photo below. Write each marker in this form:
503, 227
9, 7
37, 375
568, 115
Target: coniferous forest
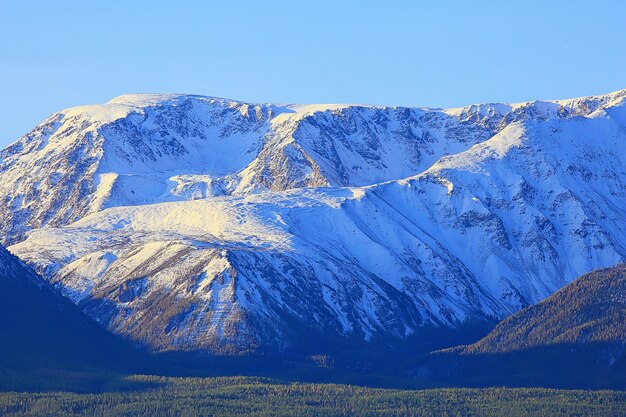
140, 396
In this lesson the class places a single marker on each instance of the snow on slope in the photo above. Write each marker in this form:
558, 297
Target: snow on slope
479, 234
527, 202
132, 150
143, 149
11, 268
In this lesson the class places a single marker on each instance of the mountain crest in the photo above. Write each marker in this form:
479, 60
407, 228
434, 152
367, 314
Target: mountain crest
193, 222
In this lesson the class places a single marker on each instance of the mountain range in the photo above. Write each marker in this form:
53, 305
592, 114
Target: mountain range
193, 223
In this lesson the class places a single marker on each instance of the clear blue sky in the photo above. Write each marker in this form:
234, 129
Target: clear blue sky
57, 54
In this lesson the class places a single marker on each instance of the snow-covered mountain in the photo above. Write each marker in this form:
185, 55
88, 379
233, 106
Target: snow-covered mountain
188, 222
143, 149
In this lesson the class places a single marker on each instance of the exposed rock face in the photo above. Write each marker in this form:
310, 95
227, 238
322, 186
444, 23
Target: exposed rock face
189, 222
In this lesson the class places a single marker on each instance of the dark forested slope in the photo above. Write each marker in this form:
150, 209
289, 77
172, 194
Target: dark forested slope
590, 310
574, 338
46, 340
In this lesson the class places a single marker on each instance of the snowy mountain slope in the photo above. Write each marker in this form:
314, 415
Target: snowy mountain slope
478, 235
143, 149
132, 150
11, 268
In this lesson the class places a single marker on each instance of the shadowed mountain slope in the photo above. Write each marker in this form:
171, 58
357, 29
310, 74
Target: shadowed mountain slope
574, 338
47, 342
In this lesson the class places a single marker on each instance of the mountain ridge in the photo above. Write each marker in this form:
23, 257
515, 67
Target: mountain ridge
279, 164
366, 223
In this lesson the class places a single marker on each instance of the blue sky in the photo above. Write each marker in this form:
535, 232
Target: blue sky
57, 54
